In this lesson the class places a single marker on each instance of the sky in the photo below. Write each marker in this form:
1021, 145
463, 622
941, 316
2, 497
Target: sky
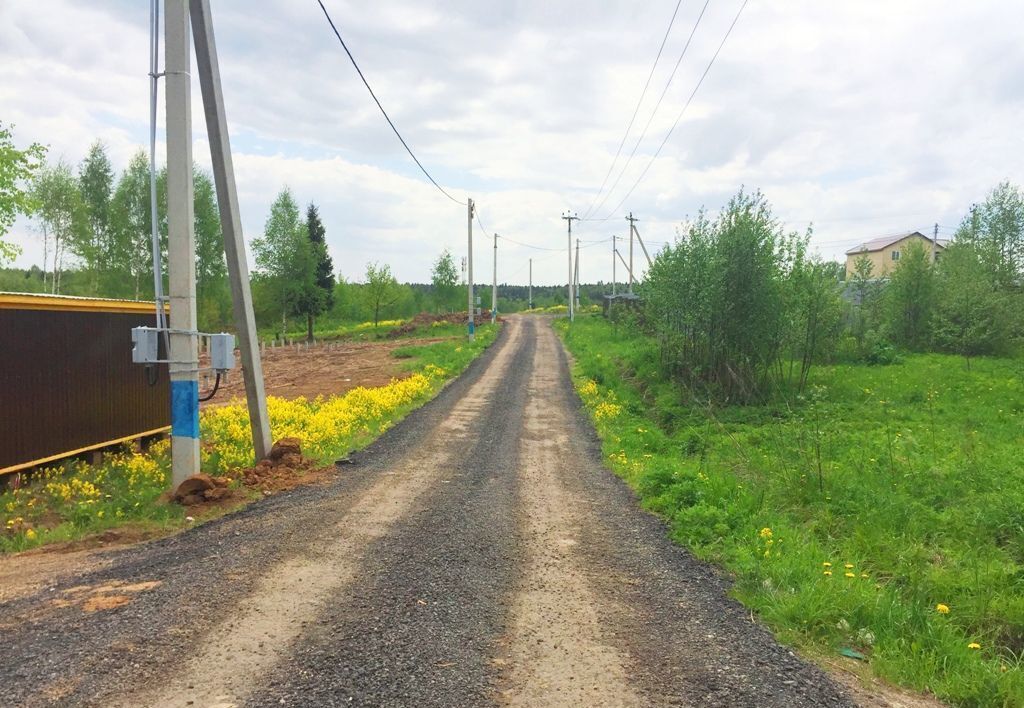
862, 118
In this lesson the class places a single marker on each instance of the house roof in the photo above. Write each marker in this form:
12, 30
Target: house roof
877, 244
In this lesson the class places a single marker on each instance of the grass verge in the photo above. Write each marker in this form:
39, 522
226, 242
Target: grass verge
77, 499
880, 516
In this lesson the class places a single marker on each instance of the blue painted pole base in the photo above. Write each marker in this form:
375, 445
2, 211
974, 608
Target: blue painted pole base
185, 409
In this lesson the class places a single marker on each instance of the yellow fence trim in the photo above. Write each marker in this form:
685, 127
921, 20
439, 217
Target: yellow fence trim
79, 451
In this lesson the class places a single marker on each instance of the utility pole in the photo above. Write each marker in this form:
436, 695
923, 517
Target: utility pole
576, 276
469, 270
231, 223
614, 251
530, 298
630, 219
184, 347
494, 284
642, 246
569, 218
935, 243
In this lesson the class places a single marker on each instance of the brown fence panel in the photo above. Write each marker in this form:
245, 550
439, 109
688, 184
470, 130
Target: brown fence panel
68, 384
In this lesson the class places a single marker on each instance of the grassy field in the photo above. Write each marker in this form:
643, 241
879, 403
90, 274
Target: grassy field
76, 499
880, 515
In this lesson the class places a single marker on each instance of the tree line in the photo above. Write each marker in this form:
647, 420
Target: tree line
742, 312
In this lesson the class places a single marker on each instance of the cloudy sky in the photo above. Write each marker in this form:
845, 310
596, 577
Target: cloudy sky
865, 118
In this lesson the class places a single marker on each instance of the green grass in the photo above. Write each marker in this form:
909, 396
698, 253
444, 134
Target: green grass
911, 474
453, 354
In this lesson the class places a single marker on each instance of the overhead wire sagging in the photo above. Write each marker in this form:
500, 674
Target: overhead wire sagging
385, 113
681, 113
636, 110
654, 112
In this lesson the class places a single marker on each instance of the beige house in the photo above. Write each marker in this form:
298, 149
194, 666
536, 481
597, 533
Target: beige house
884, 252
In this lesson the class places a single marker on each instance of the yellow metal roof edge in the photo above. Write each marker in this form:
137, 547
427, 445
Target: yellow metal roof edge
71, 303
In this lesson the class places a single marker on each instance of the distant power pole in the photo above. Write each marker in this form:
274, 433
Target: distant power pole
935, 243
613, 264
494, 284
576, 276
631, 220
469, 270
181, 264
531, 284
570, 218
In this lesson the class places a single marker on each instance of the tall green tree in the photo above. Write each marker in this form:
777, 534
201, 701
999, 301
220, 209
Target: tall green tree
910, 297
282, 256
61, 214
211, 267
444, 277
18, 168
96, 184
317, 294
381, 290
995, 228
131, 251
972, 315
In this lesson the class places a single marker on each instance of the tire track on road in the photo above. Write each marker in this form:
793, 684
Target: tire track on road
237, 653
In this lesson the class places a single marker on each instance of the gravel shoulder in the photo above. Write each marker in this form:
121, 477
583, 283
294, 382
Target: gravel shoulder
478, 554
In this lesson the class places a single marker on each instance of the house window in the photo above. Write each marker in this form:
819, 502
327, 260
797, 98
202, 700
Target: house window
895, 255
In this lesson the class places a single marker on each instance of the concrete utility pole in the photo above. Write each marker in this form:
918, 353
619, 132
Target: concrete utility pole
630, 219
642, 246
231, 224
935, 243
570, 218
494, 284
469, 270
181, 265
576, 276
530, 297
624, 264
614, 251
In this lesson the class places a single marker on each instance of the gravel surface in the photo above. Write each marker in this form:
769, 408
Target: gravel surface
477, 554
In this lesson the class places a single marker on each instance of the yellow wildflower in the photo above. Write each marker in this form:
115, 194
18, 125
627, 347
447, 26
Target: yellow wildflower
942, 609
850, 575
766, 532
849, 566
827, 564
827, 572
30, 534
974, 645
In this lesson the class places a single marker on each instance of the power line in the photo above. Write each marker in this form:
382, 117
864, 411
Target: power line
661, 98
636, 110
385, 113
681, 112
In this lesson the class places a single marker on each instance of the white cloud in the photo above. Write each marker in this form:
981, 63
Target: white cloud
865, 117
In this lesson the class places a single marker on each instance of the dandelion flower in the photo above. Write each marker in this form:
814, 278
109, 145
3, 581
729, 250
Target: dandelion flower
827, 564
850, 575
30, 534
827, 572
849, 566
974, 645
766, 532
863, 575
942, 609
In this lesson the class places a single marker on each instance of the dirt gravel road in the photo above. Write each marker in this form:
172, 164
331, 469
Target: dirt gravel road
477, 554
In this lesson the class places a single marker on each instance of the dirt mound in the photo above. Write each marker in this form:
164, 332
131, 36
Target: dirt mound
285, 467
201, 488
425, 319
